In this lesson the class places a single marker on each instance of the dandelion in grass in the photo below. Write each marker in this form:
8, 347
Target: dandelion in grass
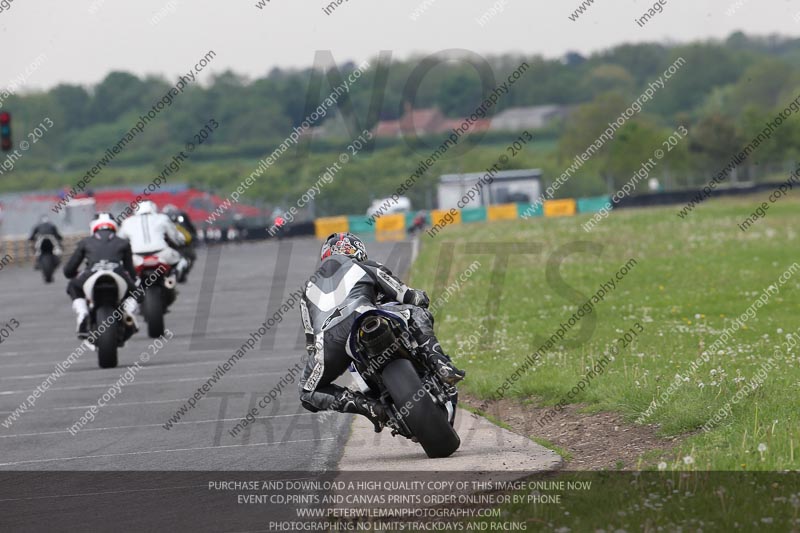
662, 466
688, 460
762, 448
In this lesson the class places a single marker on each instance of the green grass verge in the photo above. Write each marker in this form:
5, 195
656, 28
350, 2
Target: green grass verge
692, 278
653, 501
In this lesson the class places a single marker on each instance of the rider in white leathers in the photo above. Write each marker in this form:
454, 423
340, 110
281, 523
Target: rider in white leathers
150, 233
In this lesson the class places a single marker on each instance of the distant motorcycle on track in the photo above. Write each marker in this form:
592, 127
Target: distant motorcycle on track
48, 255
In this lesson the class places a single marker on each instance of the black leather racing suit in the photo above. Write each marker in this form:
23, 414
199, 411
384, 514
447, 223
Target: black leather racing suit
45, 228
104, 245
181, 218
343, 290
184, 220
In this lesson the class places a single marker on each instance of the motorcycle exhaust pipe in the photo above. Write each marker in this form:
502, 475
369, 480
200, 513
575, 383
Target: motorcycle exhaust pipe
170, 282
371, 325
377, 336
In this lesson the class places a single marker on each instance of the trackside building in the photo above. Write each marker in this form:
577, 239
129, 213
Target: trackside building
457, 191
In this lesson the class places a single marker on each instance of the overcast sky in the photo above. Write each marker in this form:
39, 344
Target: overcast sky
81, 46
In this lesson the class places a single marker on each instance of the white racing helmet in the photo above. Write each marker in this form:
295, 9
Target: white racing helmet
147, 207
103, 221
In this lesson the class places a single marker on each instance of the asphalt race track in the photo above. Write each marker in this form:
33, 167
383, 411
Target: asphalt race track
232, 290
126, 467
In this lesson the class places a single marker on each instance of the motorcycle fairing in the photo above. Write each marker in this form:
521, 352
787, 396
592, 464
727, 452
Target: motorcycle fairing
122, 285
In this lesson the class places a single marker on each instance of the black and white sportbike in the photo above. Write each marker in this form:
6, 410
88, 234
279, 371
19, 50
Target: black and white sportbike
110, 327
48, 255
389, 366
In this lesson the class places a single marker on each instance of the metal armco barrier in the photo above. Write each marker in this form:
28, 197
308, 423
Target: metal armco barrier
22, 253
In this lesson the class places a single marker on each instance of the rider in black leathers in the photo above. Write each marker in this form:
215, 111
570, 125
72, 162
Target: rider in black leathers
347, 284
44, 227
102, 247
184, 224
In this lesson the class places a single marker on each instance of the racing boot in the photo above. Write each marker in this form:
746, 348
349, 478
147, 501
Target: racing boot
131, 308
355, 402
182, 270
422, 328
441, 363
81, 309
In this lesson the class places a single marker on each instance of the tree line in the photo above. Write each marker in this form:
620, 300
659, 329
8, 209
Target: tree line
723, 94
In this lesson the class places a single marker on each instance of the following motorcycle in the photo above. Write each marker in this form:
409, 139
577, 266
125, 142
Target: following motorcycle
186, 228
159, 281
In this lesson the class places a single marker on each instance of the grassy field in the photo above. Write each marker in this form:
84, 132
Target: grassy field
213, 168
692, 278
661, 501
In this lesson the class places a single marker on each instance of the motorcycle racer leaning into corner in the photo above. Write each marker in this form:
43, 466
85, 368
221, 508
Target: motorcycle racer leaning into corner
153, 233
103, 247
347, 285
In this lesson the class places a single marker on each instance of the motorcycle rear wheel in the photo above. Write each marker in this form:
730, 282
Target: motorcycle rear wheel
154, 311
107, 340
48, 264
427, 421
